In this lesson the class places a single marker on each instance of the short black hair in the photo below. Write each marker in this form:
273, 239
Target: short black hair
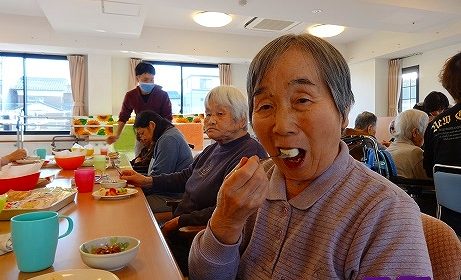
144, 67
435, 101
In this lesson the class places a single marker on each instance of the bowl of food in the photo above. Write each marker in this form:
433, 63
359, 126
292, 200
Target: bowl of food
113, 183
3, 198
70, 163
22, 183
109, 253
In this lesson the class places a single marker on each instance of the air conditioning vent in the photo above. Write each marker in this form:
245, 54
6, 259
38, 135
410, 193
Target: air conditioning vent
264, 24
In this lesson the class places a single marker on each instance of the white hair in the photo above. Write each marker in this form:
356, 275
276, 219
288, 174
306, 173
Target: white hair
406, 121
232, 98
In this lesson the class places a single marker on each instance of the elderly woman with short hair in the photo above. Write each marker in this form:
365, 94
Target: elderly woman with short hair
226, 120
406, 151
317, 213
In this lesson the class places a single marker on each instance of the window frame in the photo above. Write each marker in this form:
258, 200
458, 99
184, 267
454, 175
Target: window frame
24, 56
181, 65
414, 68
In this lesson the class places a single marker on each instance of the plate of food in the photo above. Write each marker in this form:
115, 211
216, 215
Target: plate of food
76, 274
27, 160
114, 193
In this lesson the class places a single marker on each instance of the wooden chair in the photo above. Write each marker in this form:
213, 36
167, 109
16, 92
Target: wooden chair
444, 248
447, 181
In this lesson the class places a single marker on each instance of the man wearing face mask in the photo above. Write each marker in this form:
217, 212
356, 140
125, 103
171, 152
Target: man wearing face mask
146, 96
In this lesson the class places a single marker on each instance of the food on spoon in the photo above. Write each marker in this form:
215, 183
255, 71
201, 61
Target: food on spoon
288, 153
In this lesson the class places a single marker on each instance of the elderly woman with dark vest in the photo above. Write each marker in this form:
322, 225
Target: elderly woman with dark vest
226, 122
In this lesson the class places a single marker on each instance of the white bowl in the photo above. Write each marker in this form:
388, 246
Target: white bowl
113, 183
113, 261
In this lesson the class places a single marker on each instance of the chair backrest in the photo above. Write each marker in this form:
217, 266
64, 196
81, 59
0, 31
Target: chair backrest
444, 248
364, 148
447, 180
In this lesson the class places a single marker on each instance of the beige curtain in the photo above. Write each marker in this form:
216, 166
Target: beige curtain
132, 83
77, 80
225, 77
394, 83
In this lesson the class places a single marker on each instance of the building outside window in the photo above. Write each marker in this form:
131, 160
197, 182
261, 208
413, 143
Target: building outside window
409, 93
37, 86
187, 84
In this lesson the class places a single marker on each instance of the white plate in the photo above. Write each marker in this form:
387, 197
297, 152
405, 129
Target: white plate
25, 161
78, 274
129, 193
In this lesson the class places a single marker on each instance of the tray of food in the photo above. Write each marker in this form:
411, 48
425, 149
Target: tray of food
43, 199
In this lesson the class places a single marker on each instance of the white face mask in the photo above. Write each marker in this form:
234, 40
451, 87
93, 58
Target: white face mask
146, 87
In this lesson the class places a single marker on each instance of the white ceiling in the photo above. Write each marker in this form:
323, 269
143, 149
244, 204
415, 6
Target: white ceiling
369, 23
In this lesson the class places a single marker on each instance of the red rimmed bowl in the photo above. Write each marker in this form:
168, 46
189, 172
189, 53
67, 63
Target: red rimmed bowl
23, 183
70, 163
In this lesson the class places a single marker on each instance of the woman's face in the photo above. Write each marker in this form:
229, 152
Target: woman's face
219, 124
145, 134
293, 108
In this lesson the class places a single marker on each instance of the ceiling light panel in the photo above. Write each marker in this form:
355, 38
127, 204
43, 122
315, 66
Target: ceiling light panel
120, 8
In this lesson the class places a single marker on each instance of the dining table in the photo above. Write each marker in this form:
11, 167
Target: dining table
94, 218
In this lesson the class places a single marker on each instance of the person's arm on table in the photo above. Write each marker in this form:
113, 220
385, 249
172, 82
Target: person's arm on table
215, 251
15, 155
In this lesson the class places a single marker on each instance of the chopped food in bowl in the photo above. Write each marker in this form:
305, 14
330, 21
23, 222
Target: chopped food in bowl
109, 253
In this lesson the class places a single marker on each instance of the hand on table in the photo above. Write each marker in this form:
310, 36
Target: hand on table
15, 155
240, 195
136, 179
170, 226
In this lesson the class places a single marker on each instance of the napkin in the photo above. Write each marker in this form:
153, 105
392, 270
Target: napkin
14, 171
6, 245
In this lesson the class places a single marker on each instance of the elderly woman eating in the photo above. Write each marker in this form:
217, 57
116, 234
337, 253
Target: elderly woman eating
406, 151
318, 213
226, 123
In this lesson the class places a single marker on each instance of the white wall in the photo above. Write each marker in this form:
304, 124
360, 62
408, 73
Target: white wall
363, 87
99, 84
430, 63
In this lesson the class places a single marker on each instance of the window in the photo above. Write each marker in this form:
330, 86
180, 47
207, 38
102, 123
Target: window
409, 92
37, 86
187, 84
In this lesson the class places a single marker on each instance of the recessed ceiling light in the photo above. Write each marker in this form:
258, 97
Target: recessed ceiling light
212, 19
316, 11
325, 30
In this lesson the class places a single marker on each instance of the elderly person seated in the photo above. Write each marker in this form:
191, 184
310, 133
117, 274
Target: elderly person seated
13, 156
406, 151
365, 124
317, 213
226, 123
165, 149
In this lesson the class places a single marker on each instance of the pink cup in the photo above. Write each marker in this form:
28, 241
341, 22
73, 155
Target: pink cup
84, 179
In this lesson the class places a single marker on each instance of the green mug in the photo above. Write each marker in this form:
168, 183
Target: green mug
35, 238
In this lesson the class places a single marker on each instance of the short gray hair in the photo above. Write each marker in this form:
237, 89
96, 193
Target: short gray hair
365, 119
332, 67
406, 121
232, 98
